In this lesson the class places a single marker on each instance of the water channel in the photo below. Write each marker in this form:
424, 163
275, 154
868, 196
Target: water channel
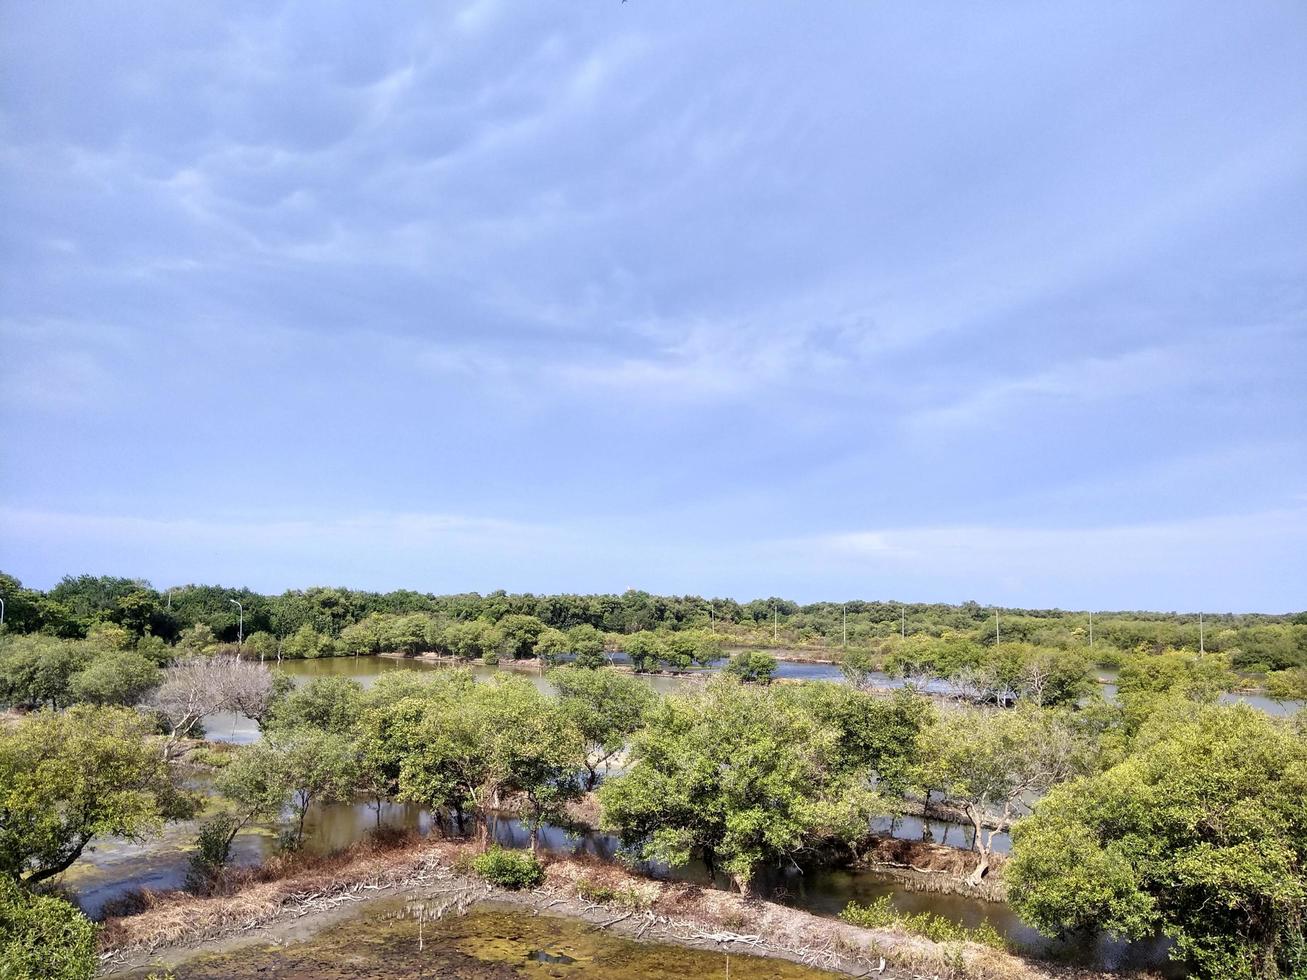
116, 868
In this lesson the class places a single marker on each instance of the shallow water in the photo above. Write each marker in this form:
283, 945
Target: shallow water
117, 868
113, 872
491, 942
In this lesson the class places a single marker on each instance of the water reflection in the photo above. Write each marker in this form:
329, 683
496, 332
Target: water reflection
113, 871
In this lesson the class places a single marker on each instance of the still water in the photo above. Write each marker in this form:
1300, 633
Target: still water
116, 868
492, 942
237, 728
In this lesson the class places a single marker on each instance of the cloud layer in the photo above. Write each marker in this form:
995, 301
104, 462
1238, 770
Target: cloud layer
679, 275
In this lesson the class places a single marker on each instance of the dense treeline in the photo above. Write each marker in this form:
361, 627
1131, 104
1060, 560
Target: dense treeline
321, 621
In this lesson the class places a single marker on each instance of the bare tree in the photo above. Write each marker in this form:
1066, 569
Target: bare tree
200, 686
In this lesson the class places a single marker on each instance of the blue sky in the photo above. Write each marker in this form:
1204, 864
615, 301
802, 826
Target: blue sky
938, 302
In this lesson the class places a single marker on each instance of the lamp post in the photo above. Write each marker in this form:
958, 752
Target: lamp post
711, 625
903, 622
2, 612
844, 611
240, 623
775, 622
997, 639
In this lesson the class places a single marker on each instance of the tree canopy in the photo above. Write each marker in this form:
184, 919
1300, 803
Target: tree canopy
1201, 831
69, 778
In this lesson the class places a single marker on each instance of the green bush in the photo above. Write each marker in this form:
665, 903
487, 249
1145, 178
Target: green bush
881, 915
216, 756
593, 892
212, 852
43, 937
509, 869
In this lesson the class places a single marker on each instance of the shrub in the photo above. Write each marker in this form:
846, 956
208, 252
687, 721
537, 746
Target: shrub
752, 665
216, 756
881, 915
509, 869
212, 852
592, 891
43, 936
601, 894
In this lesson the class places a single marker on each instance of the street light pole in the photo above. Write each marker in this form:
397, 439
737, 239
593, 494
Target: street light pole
903, 623
997, 640
240, 623
1201, 647
2, 612
775, 622
845, 609
711, 624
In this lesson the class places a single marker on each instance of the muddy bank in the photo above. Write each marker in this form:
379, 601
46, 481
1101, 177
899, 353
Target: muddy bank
925, 867
172, 927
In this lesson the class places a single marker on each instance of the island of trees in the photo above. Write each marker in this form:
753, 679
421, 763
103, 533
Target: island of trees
1161, 810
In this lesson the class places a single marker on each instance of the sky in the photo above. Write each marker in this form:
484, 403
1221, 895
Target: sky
936, 302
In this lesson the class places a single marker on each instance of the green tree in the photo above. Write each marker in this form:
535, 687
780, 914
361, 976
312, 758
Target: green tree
752, 665
605, 707
876, 737
418, 741
302, 766
1202, 831
684, 648
551, 645
459, 745
646, 650
470, 640
122, 677
329, 704
518, 635
1287, 685
857, 666
990, 762
738, 776
588, 645
43, 937
263, 645
306, 643
1197, 677
68, 778
197, 639
407, 634
109, 638
533, 749
38, 670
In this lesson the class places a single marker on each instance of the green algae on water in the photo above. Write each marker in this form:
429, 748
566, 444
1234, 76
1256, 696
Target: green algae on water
492, 942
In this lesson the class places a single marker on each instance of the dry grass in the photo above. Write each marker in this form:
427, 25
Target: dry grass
252, 897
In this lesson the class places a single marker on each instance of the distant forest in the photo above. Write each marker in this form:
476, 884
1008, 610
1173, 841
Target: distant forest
80, 604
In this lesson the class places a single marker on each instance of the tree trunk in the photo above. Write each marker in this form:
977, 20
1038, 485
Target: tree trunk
982, 845
41, 874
